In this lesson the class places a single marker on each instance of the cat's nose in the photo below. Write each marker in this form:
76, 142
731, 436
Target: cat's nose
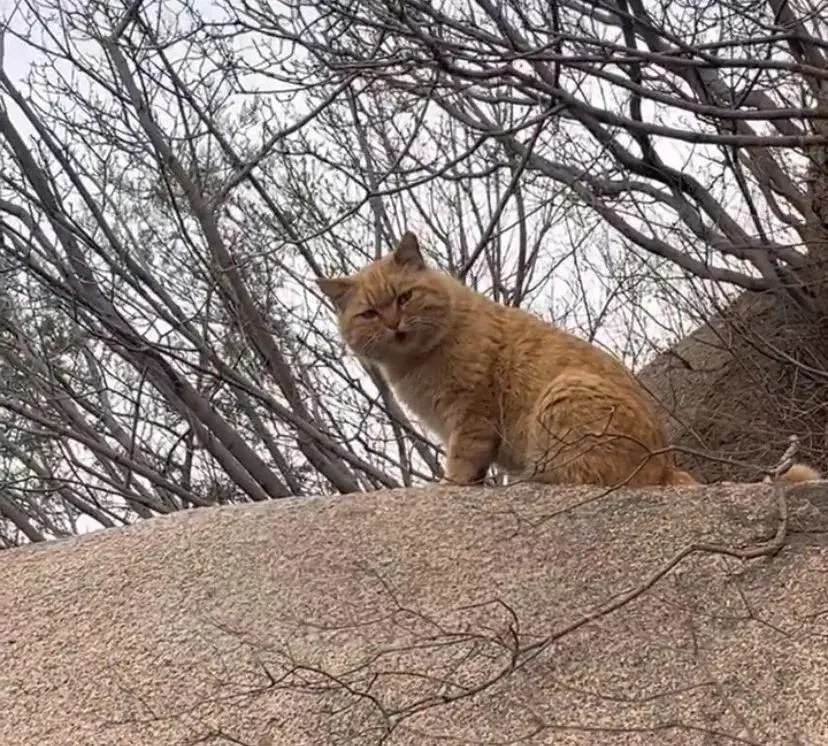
392, 321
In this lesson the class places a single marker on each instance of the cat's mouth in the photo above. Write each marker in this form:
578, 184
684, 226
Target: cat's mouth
400, 337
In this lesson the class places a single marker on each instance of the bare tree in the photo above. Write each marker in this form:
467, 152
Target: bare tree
694, 134
181, 377
174, 175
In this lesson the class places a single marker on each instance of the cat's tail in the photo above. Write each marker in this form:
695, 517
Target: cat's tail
797, 473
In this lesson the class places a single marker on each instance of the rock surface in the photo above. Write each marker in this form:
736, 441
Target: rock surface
730, 389
447, 616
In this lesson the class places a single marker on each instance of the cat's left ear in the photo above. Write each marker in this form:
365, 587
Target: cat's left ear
408, 253
337, 289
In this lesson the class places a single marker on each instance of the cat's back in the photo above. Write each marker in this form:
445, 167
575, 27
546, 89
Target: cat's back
496, 355
534, 351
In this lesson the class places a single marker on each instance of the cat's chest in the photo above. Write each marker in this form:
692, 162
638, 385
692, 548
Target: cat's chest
433, 404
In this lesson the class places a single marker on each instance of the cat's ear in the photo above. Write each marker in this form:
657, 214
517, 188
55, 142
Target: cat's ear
337, 289
408, 253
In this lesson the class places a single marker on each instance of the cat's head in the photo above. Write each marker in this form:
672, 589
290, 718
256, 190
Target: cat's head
394, 308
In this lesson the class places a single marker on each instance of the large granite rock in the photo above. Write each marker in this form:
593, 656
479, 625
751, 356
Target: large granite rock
739, 386
450, 616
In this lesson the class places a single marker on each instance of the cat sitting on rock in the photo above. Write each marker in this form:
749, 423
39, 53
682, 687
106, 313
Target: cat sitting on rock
501, 386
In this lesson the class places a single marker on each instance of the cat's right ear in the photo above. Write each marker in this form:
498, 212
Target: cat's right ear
408, 254
337, 289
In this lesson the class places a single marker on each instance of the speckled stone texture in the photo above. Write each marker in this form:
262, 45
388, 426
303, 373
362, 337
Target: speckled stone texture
447, 616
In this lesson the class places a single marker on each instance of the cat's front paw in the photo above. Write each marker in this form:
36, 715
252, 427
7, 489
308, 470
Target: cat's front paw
460, 482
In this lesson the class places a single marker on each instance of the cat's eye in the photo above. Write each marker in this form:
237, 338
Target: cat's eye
368, 313
404, 297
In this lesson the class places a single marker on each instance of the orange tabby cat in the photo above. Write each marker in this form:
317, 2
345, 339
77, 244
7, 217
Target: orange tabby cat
499, 385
